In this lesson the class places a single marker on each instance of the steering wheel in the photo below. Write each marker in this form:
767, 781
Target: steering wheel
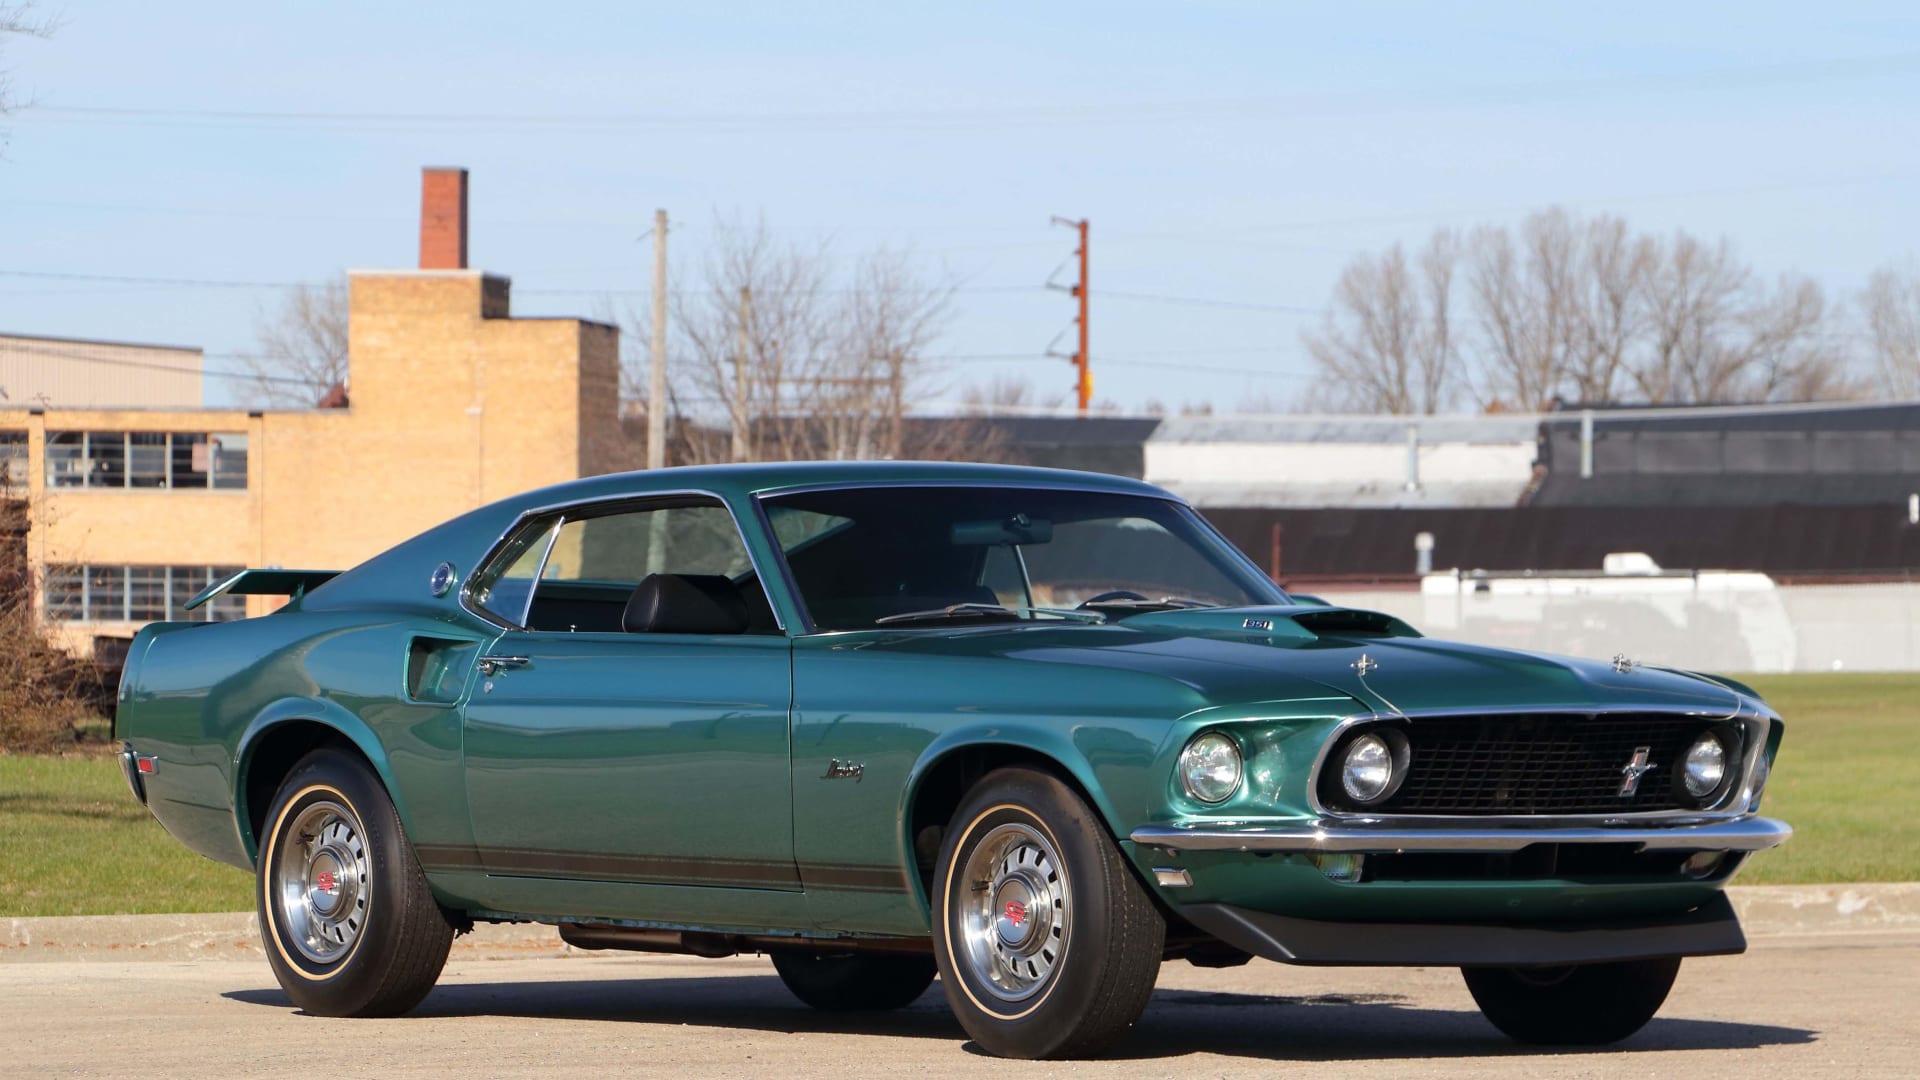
1117, 594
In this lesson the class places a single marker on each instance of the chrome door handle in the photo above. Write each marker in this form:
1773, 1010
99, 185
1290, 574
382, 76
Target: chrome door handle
490, 665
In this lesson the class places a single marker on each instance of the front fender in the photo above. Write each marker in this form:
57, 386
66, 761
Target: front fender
1107, 762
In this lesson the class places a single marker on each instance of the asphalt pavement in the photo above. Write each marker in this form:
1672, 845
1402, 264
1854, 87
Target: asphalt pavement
1839, 1005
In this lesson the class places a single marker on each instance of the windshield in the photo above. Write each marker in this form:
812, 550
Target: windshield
863, 557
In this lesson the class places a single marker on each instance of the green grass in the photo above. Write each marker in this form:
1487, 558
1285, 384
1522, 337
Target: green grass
73, 841
1847, 779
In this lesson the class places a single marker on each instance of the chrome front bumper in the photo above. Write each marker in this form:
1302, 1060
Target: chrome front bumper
1330, 836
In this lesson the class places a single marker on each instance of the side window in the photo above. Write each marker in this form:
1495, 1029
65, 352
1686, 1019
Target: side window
575, 573
505, 587
622, 548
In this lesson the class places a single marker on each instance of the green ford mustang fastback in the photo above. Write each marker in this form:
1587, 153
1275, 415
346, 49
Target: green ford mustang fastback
1036, 732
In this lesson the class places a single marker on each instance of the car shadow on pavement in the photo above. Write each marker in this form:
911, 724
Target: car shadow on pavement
1326, 1027
1346, 1027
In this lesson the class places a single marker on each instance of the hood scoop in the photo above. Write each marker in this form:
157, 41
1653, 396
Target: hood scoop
1278, 624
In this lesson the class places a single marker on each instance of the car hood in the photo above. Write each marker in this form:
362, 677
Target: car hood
1243, 656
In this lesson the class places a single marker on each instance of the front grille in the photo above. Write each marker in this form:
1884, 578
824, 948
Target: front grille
1533, 764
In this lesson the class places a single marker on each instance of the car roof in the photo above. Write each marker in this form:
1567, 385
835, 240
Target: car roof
770, 478
402, 571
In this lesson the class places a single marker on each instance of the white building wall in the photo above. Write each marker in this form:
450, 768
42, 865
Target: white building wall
1340, 473
1729, 623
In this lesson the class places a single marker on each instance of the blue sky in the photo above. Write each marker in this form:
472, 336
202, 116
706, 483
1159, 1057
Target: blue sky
1233, 153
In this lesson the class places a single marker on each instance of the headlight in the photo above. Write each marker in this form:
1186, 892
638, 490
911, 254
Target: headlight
1705, 766
1210, 767
1373, 767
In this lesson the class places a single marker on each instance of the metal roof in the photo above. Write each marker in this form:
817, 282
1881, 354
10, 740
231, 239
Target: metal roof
1347, 429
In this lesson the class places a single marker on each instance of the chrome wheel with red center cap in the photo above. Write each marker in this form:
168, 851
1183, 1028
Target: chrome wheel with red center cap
323, 880
1014, 923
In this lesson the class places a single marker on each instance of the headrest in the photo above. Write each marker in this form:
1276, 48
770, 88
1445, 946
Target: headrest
684, 604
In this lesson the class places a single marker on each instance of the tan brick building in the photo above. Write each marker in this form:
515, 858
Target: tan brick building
451, 403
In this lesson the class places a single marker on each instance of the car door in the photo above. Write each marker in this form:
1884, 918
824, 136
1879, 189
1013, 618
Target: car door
597, 754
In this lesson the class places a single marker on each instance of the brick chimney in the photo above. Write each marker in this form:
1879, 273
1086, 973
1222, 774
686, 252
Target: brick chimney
443, 219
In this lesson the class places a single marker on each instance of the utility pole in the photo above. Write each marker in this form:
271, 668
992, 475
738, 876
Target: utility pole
1083, 370
657, 384
740, 369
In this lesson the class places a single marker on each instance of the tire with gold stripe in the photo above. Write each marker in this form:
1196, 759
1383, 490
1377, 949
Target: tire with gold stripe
346, 917
1047, 944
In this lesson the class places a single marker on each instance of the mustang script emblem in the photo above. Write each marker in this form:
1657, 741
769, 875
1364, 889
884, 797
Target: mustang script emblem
1366, 665
1635, 768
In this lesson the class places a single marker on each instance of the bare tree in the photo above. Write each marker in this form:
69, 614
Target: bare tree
300, 347
1007, 395
1693, 295
1610, 276
1786, 350
1522, 292
1891, 304
809, 355
18, 20
1387, 343
890, 315
1569, 310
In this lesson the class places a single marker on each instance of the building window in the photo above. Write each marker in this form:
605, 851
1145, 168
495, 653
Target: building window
66, 459
138, 594
13, 460
147, 459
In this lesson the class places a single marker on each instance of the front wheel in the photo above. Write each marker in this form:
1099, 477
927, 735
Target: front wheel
1048, 946
1572, 1006
346, 917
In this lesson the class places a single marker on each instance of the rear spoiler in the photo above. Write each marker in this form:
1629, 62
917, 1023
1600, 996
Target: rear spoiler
288, 583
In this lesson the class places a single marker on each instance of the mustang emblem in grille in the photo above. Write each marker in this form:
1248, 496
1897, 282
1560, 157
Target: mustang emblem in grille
1366, 665
1636, 768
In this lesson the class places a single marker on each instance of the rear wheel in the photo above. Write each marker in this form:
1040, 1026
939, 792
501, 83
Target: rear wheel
1047, 944
346, 916
1569, 1006
853, 982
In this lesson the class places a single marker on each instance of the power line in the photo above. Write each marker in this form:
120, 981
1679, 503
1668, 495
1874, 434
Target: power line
1203, 369
1022, 114
216, 283
1137, 360
148, 365
213, 283
127, 279
1201, 301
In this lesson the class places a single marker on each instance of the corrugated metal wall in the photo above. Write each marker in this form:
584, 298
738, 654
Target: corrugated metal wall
38, 372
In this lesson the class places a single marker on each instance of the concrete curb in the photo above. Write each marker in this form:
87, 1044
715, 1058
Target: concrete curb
223, 936
1765, 910
1775, 910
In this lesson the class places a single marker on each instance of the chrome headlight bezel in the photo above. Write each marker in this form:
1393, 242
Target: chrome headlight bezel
1757, 786
1208, 752
1371, 751
1708, 768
